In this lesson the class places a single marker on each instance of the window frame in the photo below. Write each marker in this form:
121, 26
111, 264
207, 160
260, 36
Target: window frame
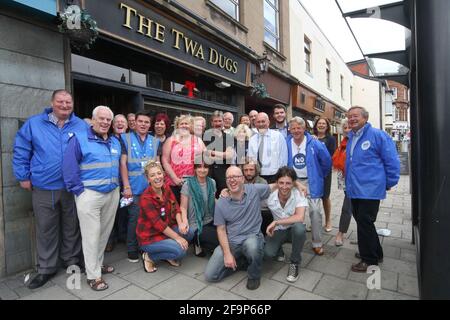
236, 4
328, 73
307, 49
277, 22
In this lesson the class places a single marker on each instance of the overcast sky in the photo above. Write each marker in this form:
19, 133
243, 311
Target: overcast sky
374, 35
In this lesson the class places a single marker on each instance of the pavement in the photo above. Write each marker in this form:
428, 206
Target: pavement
321, 277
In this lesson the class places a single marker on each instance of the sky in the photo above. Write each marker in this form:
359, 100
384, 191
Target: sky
374, 35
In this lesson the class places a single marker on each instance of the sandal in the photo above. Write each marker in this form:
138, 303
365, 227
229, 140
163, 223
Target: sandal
149, 265
173, 263
107, 269
97, 284
319, 251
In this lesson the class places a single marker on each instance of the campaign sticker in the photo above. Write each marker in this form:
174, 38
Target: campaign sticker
299, 161
114, 151
365, 145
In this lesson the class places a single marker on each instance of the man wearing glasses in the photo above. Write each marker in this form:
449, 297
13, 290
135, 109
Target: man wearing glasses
238, 221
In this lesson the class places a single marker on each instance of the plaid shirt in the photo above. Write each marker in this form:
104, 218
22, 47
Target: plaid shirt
151, 222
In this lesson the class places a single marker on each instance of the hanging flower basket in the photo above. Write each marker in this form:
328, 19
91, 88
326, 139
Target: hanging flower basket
79, 26
260, 91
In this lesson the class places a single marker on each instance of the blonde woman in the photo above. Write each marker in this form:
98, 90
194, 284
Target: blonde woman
242, 135
161, 231
180, 152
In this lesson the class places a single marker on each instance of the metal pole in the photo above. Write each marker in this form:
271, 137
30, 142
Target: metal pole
431, 123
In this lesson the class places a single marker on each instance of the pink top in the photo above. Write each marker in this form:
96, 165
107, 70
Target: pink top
182, 158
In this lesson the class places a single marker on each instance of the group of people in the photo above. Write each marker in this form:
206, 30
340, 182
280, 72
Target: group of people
236, 193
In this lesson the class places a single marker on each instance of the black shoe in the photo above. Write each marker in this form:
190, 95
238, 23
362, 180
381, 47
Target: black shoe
40, 280
133, 256
292, 272
253, 284
357, 255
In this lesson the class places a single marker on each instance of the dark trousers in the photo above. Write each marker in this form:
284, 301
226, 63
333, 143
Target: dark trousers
346, 215
267, 219
208, 237
119, 231
365, 213
57, 229
217, 172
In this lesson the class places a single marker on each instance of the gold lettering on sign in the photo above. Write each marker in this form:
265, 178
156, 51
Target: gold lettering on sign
178, 35
235, 67
145, 23
213, 56
129, 10
159, 34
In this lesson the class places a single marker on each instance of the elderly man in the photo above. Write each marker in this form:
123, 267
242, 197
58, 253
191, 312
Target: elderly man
252, 115
140, 147
131, 118
268, 147
372, 167
37, 163
279, 114
228, 119
91, 172
312, 162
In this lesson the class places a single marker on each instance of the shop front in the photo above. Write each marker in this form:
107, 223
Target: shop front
150, 58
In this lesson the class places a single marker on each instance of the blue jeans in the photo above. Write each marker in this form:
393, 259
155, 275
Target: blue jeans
253, 251
133, 214
167, 249
297, 233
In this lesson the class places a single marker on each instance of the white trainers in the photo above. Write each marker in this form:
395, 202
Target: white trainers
281, 258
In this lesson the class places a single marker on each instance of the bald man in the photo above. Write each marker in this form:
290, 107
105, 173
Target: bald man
268, 147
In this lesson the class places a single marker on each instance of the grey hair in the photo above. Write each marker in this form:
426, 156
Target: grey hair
226, 113
343, 123
297, 120
118, 116
217, 114
98, 108
364, 111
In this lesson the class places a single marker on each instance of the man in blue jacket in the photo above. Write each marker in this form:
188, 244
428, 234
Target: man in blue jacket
139, 148
312, 162
91, 172
372, 167
37, 163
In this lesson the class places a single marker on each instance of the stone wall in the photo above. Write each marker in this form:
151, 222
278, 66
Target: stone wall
32, 66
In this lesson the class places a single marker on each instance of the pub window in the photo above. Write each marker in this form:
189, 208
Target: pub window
271, 23
230, 7
303, 98
320, 105
307, 46
328, 71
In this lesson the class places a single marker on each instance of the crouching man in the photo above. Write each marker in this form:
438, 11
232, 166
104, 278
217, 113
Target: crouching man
288, 207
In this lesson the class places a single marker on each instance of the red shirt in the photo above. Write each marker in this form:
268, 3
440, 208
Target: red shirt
152, 219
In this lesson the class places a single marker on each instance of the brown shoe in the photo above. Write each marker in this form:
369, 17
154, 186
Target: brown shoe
109, 247
359, 267
319, 251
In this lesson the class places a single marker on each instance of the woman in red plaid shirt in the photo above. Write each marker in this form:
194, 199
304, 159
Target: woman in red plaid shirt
161, 231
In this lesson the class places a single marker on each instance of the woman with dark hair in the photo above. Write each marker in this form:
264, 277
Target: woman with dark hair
322, 130
197, 207
160, 126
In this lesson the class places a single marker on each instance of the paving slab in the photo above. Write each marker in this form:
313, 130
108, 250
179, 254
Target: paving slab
330, 266
146, 280
298, 294
307, 279
399, 266
227, 283
389, 280
131, 292
214, 293
339, 289
53, 293
268, 290
180, 287
408, 285
6, 293
408, 255
387, 295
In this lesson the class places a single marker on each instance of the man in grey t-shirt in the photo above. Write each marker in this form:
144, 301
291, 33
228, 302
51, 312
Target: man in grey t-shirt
238, 221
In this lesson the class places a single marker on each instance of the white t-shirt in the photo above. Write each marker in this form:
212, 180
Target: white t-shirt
299, 159
296, 200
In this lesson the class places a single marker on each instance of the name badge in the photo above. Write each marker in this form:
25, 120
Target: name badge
114, 151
